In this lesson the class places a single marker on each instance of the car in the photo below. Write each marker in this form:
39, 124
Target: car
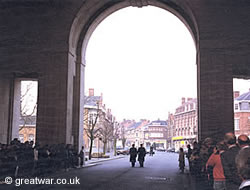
122, 151
171, 150
162, 149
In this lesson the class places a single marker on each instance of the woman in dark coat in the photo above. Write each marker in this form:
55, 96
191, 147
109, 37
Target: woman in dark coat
133, 154
181, 160
141, 155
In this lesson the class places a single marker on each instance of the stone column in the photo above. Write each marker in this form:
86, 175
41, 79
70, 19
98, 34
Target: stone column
215, 95
4, 107
78, 117
55, 100
10, 89
15, 108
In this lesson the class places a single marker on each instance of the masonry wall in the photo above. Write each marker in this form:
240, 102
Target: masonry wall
244, 123
35, 37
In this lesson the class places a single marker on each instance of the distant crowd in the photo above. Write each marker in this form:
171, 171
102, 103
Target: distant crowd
220, 166
28, 159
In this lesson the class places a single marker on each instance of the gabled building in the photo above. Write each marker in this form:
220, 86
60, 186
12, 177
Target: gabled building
93, 106
242, 113
135, 133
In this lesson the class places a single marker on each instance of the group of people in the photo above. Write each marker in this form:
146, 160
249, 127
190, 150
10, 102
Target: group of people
141, 153
224, 165
29, 159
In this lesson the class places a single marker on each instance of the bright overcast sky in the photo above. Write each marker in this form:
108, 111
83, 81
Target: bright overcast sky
143, 60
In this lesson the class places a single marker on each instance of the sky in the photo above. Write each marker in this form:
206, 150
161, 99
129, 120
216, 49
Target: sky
143, 60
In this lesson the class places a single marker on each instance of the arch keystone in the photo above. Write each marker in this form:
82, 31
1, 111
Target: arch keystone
139, 3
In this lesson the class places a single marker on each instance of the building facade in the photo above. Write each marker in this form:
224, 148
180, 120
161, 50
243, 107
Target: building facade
242, 113
27, 128
155, 134
97, 121
135, 133
170, 131
185, 123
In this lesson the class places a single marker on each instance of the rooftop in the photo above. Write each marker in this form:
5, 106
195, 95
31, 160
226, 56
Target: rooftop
245, 96
92, 100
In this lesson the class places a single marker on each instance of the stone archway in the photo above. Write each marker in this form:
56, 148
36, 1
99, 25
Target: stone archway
85, 23
52, 35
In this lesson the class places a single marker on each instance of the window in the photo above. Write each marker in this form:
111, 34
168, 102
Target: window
244, 106
236, 106
191, 106
31, 137
156, 135
236, 124
21, 138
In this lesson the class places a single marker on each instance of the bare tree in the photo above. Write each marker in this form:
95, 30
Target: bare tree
26, 109
123, 136
106, 131
116, 132
91, 128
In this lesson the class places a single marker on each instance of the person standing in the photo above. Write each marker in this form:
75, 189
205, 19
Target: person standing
215, 162
243, 141
151, 153
133, 155
141, 155
181, 160
228, 162
243, 168
82, 156
188, 155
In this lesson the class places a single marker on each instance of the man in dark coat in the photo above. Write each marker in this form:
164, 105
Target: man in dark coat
228, 162
81, 155
243, 167
141, 155
133, 154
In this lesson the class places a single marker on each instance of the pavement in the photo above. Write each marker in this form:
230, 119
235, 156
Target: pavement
160, 172
96, 161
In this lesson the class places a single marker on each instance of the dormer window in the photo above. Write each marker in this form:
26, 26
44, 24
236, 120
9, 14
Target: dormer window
244, 106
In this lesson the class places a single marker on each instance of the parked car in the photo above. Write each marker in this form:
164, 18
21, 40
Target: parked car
162, 149
122, 151
171, 150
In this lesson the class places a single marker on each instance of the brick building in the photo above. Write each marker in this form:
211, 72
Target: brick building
135, 133
242, 113
185, 123
27, 128
93, 106
155, 134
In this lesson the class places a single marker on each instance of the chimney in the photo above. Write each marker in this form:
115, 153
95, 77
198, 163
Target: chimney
183, 100
236, 94
91, 92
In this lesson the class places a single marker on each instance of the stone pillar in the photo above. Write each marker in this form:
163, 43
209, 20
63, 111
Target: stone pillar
15, 108
10, 109
4, 107
78, 117
215, 95
55, 100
